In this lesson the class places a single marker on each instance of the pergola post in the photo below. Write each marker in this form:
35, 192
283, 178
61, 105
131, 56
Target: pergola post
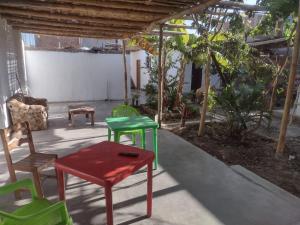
160, 72
163, 79
125, 73
205, 100
289, 95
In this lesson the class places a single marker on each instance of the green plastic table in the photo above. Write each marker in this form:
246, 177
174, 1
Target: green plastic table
119, 124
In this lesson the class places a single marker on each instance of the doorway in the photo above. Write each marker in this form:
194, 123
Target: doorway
196, 77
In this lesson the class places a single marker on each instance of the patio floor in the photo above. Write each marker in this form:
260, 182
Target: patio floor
190, 187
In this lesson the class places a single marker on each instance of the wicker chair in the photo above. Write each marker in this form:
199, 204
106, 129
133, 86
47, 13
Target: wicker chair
33, 110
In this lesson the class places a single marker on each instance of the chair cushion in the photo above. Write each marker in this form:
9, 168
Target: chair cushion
36, 113
32, 208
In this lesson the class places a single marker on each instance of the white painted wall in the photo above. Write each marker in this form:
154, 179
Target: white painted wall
141, 55
66, 76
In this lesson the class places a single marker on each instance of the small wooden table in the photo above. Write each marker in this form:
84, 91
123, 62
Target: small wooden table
81, 109
101, 164
118, 124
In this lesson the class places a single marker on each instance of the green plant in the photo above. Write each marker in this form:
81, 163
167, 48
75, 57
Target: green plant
246, 78
170, 83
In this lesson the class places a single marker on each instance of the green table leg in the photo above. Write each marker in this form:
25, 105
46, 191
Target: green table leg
155, 147
109, 134
143, 139
116, 136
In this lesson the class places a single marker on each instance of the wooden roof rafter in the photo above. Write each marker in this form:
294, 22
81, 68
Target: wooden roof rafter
98, 18
138, 6
81, 10
19, 21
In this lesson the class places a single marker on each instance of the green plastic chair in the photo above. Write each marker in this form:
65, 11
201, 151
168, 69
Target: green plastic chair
127, 111
39, 211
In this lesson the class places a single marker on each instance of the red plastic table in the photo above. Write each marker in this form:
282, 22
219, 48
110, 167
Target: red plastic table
101, 164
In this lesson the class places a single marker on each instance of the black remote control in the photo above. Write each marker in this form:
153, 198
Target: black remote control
129, 154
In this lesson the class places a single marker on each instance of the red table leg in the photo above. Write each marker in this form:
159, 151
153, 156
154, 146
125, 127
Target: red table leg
61, 184
149, 189
109, 205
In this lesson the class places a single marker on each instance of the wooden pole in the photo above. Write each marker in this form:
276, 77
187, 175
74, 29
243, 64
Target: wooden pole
125, 72
163, 80
289, 95
205, 101
159, 77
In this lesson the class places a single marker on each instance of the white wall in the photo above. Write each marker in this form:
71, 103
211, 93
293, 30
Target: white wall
4, 86
188, 78
11, 64
66, 76
141, 55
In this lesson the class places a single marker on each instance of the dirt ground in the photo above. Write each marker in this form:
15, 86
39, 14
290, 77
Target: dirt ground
255, 153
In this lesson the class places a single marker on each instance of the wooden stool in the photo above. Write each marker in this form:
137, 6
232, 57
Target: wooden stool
81, 109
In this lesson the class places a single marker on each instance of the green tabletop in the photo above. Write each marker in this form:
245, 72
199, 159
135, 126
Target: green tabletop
130, 123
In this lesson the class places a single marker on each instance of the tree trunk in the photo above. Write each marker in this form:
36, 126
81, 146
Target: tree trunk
218, 68
273, 94
289, 96
180, 82
205, 101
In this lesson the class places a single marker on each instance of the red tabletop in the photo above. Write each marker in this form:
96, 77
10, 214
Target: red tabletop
101, 164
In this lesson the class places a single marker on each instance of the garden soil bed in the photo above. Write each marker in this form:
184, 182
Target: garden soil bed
169, 117
255, 153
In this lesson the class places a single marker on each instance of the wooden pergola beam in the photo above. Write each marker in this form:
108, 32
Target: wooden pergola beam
199, 8
80, 29
74, 30
168, 32
58, 16
82, 10
68, 33
159, 3
66, 28
65, 34
122, 15
137, 6
240, 6
65, 23
51, 25
178, 26
37, 24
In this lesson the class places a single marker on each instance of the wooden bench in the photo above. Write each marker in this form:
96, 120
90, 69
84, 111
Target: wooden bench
81, 109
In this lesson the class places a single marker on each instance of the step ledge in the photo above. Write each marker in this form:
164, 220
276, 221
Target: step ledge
254, 178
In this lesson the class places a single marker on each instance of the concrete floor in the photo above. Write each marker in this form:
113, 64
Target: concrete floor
190, 186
